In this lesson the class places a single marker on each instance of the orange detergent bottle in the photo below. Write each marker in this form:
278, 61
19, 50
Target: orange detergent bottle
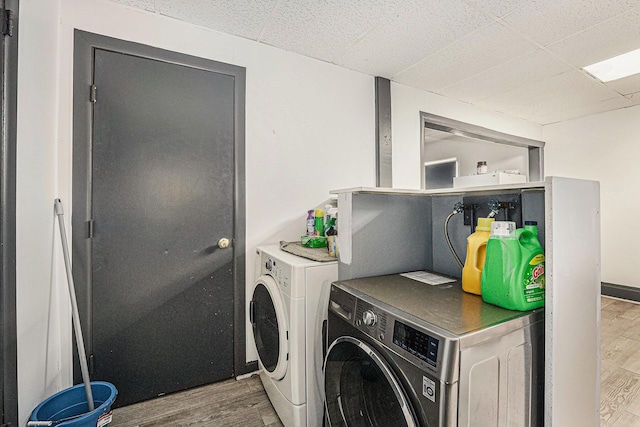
476, 252
513, 276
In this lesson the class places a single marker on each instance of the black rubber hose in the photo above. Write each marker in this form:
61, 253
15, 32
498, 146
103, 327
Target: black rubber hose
446, 236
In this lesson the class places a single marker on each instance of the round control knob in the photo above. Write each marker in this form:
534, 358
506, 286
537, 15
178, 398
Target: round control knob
268, 265
369, 318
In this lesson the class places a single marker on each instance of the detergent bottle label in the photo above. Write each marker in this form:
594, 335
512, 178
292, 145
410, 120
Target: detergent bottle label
534, 279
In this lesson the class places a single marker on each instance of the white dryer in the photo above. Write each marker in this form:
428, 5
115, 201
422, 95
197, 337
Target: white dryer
287, 311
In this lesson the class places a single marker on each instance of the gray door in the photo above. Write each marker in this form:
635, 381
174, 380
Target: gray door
162, 196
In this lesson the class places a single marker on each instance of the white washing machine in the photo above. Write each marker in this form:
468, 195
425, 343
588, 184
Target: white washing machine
287, 311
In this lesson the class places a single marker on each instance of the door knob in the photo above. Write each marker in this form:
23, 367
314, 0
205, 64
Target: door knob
223, 243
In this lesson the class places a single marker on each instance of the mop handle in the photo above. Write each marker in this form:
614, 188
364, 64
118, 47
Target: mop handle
54, 423
74, 307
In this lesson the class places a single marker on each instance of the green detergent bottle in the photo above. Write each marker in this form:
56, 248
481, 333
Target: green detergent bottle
513, 275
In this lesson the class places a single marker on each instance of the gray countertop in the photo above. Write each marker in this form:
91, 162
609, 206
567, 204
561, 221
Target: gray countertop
445, 306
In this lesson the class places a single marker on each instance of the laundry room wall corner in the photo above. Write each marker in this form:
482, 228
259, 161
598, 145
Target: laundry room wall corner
43, 315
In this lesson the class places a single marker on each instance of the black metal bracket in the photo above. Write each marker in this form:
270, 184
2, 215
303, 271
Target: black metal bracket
7, 23
510, 208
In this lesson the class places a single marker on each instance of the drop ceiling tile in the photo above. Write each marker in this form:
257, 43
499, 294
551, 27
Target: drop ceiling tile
452, 47
561, 114
497, 8
244, 18
548, 21
634, 98
140, 4
609, 38
557, 90
627, 85
484, 49
520, 71
417, 29
323, 29
564, 102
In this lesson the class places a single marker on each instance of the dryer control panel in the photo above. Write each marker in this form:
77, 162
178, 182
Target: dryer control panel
281, 272
423, 345
416, 342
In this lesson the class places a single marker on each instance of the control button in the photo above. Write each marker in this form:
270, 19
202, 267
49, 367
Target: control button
358, 322
432, 353
269, 264
369, 318
381, 337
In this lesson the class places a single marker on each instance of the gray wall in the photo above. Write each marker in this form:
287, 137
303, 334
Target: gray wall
396, 233
390, 234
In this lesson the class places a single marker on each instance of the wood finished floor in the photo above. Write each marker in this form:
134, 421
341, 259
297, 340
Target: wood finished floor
224, 404
620, 364
244, 402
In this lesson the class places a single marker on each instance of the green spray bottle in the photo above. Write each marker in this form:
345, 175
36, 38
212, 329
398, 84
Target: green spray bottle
513, 275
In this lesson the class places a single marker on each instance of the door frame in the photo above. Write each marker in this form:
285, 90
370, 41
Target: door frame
8, 129
85, 44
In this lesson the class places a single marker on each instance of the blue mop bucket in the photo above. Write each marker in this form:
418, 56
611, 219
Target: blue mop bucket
69, 407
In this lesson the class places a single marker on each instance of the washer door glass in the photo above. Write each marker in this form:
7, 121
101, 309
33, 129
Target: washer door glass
361, 389
269, 327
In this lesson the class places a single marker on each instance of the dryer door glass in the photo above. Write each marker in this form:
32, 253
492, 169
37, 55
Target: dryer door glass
265, 328
361, 389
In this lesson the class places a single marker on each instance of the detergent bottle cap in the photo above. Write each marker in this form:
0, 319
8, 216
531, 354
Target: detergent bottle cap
319, 212
532, 226
503, 229
484, 224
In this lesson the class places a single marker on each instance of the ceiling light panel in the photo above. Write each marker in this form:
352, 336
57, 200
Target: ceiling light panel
617, 67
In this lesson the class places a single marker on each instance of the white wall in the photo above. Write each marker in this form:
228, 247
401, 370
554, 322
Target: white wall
605, 147
309, 130
39, 296
406, 105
